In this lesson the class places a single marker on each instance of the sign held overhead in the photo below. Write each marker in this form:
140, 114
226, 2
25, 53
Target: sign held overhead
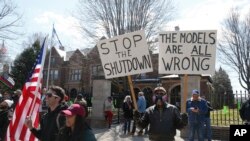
125, 55
187, 52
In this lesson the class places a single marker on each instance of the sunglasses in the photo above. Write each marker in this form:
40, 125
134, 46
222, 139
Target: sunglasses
50, 95
159, 93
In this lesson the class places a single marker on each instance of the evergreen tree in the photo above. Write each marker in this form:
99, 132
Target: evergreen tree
23, 64
223, 93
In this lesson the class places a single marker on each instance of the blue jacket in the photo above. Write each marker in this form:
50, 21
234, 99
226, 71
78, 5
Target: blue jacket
141, 103
201, 104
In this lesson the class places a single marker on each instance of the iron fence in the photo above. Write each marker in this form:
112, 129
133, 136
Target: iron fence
226, 109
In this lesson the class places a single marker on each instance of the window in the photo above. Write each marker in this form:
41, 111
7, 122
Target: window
75, 74
143, 76
52, 60
54, 74
45, 74
97, 70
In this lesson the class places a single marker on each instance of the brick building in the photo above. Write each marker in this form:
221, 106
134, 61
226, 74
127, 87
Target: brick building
76, 70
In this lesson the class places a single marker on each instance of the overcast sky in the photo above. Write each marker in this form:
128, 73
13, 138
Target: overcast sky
39, 16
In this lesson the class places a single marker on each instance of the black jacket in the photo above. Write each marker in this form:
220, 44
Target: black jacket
163, 123
84, 134
4, 122
245, 111
49, 124
127, 112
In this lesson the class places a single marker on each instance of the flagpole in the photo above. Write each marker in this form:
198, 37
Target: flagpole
39, 77
48, 73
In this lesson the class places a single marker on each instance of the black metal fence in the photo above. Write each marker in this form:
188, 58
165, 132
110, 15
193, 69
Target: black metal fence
226, 110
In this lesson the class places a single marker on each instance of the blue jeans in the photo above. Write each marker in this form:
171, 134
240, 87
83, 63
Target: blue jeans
197, 127
208, 129
126, 126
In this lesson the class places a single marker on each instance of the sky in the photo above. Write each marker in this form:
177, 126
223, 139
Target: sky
40, 15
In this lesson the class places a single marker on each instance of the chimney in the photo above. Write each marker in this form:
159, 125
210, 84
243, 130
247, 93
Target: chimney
177, 28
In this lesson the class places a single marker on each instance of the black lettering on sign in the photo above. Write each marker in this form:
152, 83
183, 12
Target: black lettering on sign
137, 38
104, 48
211, 35
199, 38
168, 38
114, 41
200, 50
174, 49
196, 63
127, 65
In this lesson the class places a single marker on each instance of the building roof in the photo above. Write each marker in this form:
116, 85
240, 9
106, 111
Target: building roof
84, 51
62, 53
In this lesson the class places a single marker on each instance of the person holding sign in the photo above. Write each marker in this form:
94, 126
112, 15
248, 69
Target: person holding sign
163, 118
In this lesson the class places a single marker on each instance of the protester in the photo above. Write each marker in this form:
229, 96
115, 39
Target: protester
4, 117
51, 122
196, 108
43, 107
245, 111
141, 104
127, 108
76, 128
80, 100
163, 118
16, 97
208, 131
8, 99
108, 107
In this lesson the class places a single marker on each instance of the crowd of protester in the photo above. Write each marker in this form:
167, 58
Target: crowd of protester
64, 119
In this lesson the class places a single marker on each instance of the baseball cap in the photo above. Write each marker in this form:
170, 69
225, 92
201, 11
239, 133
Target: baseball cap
9, 102
159, 89
18, 91
74, 109
195, 91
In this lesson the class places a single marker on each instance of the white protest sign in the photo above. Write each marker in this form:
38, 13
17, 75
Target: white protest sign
124, 55
187, 52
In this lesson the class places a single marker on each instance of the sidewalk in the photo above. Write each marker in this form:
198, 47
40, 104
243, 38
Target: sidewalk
116, 134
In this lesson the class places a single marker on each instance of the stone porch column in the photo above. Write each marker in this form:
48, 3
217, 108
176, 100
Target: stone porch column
101, 90
192, 83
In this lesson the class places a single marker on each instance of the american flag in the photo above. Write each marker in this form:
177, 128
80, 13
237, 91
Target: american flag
28, 104
54, 33
7, 80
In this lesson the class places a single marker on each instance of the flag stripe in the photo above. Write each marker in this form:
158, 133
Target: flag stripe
7, 80
28, 104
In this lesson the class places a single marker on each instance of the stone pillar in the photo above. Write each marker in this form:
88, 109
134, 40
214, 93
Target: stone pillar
193, 83
101, 90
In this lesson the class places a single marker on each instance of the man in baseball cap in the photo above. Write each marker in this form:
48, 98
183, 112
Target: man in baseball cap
163, 118
196, 108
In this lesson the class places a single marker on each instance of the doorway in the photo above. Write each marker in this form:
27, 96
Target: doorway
175, 96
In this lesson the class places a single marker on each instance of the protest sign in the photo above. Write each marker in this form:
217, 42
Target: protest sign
125, 55
187, 52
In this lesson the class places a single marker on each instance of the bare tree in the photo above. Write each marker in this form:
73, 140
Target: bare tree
9, 20
235, 46
110, 18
